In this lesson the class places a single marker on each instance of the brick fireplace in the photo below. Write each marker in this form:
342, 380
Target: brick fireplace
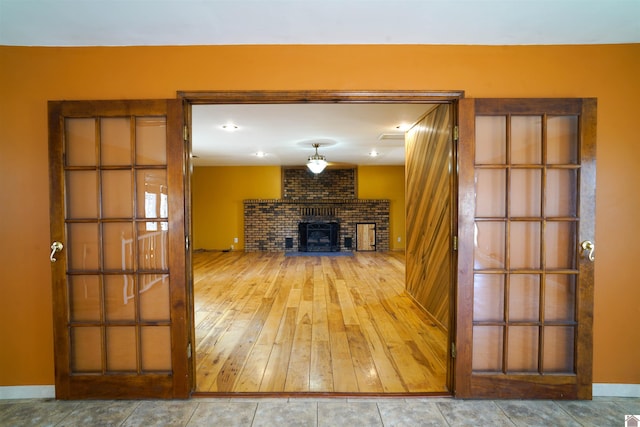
273, 225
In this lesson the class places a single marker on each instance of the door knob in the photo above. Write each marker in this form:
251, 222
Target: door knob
587, 249
55, 247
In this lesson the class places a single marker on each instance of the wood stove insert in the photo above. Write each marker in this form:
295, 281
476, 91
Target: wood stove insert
318, 237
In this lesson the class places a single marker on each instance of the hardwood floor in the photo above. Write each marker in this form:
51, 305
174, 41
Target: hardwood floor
269, 323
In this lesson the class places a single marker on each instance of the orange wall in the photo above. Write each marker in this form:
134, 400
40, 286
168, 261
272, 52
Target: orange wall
386, 182
31, 76
217, 195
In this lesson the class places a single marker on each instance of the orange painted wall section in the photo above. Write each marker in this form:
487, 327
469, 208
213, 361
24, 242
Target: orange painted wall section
217, 195
386, 182
31, 76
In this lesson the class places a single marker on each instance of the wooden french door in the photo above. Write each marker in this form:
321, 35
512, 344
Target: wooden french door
526, 230
118, 251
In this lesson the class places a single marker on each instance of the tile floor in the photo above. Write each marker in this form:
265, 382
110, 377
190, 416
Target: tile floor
283, 412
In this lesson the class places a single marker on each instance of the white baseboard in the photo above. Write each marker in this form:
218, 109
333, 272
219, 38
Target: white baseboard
28, 392
616, 390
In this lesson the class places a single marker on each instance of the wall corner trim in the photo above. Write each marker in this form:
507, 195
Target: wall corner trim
616, 390
27, 392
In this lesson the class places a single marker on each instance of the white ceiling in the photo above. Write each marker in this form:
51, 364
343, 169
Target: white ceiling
229, 22
347, 133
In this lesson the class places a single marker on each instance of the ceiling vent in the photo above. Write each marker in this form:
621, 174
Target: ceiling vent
391, 137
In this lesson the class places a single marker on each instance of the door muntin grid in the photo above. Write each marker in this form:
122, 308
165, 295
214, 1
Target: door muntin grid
525, 239
116, 226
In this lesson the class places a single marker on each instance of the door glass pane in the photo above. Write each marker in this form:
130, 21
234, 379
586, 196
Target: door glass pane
492, 185
526, 192
151, 141
523, 349
525, 245
80, 142
121, 348
117, 245
491, 140
489, 245
82, 194
115, 143
82, 249
524, 297
561, 193
154, 297
560, 297
562, 140
152, 246
117, 194
488, 297
487, 348
152, 194
120, 297
86, 349
156, 348
526, 140
560, 238
558, 349
84, 298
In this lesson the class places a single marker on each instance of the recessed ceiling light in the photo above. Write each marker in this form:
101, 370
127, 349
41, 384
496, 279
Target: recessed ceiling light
230, 127
374, 153
260, 154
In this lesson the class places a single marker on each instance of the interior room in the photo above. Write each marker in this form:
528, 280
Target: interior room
527, 70
339, 340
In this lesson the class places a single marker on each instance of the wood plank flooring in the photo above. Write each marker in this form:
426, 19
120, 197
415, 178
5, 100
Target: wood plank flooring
269, 323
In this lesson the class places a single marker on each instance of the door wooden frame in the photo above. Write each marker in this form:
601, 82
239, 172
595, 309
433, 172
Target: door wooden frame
190, 98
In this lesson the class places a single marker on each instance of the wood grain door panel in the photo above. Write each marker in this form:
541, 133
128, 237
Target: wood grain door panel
429, 193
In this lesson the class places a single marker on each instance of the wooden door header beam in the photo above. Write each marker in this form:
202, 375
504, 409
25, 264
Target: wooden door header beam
319, 97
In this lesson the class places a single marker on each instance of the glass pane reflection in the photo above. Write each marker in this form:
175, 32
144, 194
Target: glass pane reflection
117, 242
152, 194
120, 297
153, 251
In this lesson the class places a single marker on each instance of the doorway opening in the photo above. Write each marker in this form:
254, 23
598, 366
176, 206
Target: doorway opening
229, 351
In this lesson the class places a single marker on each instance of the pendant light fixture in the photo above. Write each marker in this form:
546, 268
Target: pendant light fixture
317, 162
